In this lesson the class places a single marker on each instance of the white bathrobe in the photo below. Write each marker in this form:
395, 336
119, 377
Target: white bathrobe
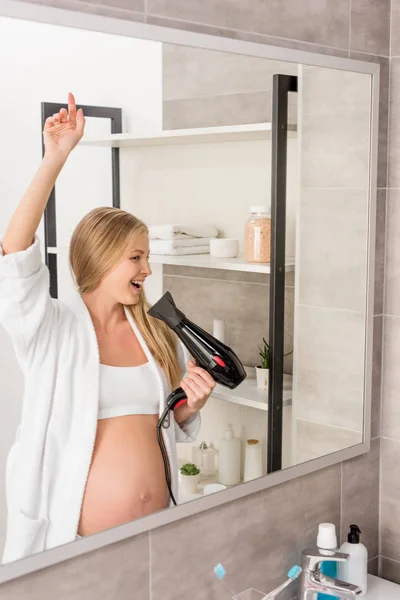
48, 464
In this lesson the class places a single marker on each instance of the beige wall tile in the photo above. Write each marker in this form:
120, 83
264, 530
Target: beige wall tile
392, 282
376, 391
389, 569
383, 111
203, 88
245, 36
222, 274
395, 28
330, 355
213, 111
360, 500
394, 120
370, 26
311, 20
115, 572
266, 545
335, 128
314, 440
194, 72
390, 426
380, 246
373, 566
233, 109
390, 499
333, 240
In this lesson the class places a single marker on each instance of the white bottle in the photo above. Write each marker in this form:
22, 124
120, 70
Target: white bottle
207, 459
354, 570
229, 458
253, 467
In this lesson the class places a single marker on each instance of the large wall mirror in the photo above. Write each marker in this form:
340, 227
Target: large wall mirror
273, 151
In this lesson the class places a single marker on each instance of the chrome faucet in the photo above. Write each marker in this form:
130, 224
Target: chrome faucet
312, 580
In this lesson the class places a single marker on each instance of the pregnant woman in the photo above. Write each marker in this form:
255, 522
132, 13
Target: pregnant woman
97, 372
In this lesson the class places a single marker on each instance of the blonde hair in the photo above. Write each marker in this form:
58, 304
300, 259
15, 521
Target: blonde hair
97, 244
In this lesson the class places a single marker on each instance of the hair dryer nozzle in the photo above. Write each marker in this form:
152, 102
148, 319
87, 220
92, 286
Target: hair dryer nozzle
166, 310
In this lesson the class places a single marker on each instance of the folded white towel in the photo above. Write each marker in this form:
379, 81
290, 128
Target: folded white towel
168, 232
179, 243
171, 247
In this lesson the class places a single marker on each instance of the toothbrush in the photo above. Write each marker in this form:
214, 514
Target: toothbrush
220, 573
292, 575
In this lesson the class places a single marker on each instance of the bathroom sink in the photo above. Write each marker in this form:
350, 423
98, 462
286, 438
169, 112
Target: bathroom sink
380, 589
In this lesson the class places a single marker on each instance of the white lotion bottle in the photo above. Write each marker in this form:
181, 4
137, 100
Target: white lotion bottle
229, 458
355, 569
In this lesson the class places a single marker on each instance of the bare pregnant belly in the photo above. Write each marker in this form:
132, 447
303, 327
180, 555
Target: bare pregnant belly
126, 478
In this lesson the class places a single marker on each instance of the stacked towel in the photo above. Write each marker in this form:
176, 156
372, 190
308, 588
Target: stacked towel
180, 246
179, 240
169, 232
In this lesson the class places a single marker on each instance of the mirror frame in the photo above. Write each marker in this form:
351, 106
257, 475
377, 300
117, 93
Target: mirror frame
66, 18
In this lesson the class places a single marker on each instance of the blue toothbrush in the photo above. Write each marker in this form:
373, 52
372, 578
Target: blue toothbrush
292, 575
220, 573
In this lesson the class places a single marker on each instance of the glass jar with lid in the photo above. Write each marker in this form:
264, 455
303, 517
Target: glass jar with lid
258, 235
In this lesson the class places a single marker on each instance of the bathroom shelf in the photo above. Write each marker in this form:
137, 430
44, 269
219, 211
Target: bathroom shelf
235, 133
210, 262
205, 261
204, 480
247, 394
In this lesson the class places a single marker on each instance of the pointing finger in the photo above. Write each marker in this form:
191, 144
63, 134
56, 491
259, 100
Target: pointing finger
71, 108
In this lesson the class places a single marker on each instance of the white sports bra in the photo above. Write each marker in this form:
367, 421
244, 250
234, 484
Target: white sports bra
128, 391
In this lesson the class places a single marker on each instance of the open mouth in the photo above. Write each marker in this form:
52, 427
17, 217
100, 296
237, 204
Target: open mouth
137, 284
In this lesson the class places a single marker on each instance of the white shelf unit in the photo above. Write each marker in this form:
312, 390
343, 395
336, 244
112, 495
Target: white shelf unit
235, 133
247, 393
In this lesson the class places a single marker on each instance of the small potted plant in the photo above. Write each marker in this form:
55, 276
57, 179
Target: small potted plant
190, 476
262, 371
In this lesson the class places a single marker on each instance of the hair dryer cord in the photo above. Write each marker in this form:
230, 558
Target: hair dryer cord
166, 461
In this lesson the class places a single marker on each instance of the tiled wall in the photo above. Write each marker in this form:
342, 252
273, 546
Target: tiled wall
202, 88
390, 449
331, 261
258, 537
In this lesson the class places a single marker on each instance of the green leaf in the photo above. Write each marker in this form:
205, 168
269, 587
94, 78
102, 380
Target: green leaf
190, 469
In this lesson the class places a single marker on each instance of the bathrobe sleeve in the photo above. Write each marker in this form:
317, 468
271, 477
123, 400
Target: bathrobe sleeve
188, 430
27, 312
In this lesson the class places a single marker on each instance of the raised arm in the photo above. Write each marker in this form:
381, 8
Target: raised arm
61, 134
27, 312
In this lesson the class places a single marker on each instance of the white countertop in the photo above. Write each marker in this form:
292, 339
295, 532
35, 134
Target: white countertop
380, 589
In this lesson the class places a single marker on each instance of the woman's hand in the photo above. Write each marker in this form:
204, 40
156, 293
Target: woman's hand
198, 386
64, 129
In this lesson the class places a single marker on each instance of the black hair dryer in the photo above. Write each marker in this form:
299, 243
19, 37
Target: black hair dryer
209, 353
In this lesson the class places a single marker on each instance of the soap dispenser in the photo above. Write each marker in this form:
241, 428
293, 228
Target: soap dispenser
354, 570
